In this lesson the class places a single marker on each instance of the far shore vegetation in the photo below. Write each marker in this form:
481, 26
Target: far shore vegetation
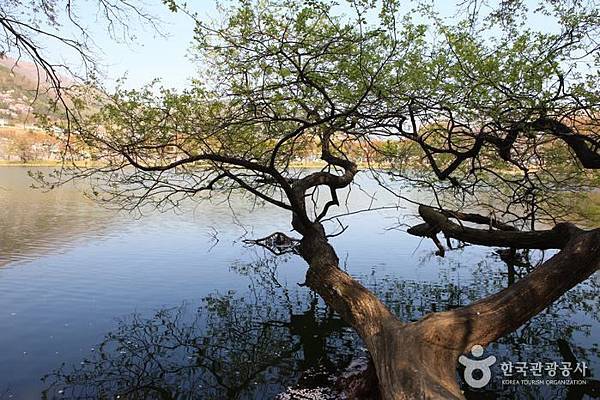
31, 146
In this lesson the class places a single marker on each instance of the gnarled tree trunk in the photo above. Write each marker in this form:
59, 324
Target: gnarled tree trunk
418, 360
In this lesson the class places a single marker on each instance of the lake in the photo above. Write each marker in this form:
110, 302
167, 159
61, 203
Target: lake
97, 303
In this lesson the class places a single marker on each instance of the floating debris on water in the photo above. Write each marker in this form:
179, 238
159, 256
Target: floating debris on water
310, 394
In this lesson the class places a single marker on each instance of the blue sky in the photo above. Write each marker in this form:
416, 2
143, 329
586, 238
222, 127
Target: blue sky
150, 55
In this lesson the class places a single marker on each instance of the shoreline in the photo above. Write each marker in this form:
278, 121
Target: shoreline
4, 163
58, 163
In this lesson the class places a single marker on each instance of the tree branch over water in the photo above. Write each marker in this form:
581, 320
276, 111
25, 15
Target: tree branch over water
488, 117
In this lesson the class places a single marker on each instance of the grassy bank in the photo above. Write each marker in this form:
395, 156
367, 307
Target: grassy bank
587, 207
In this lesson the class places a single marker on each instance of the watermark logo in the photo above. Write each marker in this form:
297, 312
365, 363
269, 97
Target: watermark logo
478, 373
482, 365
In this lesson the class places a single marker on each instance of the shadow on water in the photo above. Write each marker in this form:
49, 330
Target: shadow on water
260, 343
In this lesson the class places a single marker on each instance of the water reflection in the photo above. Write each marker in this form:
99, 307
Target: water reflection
57, 306
228, 347
255, 344
34, 223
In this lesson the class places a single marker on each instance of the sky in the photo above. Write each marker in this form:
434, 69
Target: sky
149, 55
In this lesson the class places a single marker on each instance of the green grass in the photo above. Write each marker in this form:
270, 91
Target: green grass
588, 208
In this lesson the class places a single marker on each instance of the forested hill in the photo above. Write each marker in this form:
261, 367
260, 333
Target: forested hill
22, 95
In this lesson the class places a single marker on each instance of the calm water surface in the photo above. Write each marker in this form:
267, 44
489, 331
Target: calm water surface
95, 303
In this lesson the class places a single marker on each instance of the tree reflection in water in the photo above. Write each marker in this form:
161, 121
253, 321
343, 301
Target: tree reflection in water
254, 346
228, 347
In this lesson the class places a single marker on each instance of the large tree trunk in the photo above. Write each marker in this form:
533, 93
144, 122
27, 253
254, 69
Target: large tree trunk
418, 360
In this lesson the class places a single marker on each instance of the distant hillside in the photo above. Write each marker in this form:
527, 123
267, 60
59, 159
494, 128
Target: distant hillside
23, 69
21, 97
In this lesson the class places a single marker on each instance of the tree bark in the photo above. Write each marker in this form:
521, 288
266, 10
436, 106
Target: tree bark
438, 222
418, 360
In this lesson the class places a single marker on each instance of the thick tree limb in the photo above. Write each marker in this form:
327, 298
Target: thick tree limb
437, 222
424, 353
499, 314
479, 219
585, 148
356, 304
418, 360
